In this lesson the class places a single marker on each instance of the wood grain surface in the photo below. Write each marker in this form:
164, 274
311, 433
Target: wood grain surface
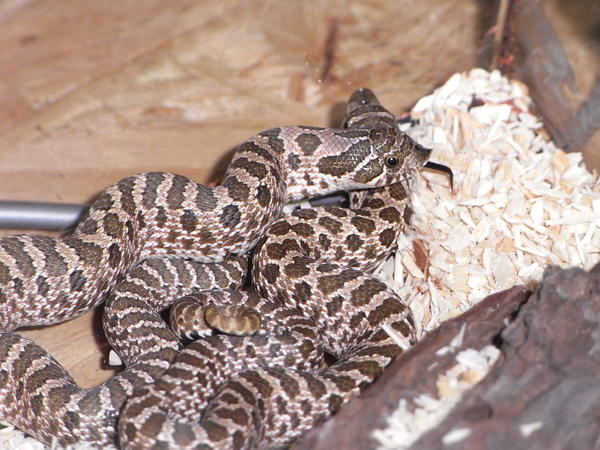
92, 91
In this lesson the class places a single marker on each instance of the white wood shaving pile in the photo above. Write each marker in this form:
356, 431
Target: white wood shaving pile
11, 438
406, 424
519, 205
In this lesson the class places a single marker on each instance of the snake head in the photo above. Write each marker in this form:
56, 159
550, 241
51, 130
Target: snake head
395, 157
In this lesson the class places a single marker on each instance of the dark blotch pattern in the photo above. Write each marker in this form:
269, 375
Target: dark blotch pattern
331, 225
176, 193
113, 226
274, 139
366, 291
303, 229
293, 161
280, 228
369, 171
308, 142
189, 221
127, 202
391, 215
237, 190
252, 147
336, 211
345, 162
387, 237
298, 268
407, 214
263, 195
308, 180
161, 217
153, 181
385, 309
271, 272
77, 280
254, 168
87, 250
324, 241
327, 267
327, 284
114, 255
306, 214
54, 261
16, 248
205, 198
230, 216
354, 242
363, 225
42, 285
302, 291
397, 192
88, 226
104, 202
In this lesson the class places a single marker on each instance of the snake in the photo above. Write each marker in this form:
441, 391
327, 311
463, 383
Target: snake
237, 367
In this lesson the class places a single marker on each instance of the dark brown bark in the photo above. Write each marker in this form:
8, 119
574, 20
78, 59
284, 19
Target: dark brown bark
542, 393
414, 373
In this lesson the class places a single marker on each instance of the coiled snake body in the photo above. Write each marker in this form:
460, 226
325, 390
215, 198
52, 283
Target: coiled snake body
256, 375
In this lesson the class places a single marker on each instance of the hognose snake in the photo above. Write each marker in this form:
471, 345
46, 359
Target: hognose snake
256, 374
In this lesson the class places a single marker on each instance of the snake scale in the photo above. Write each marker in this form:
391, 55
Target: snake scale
254, 373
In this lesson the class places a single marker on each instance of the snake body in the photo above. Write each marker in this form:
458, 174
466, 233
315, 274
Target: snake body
153, 238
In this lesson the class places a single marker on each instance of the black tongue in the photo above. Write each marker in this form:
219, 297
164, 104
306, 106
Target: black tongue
441, 168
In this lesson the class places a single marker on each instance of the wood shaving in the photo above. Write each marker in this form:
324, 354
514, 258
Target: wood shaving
528, 428
408, 423
11, 438
519, 205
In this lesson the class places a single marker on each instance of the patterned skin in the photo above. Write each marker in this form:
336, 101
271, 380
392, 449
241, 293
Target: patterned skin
154, 237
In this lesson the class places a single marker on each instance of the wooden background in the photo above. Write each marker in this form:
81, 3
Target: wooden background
93, 91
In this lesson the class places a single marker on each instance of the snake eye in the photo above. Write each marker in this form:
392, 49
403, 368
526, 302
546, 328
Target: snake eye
391, 161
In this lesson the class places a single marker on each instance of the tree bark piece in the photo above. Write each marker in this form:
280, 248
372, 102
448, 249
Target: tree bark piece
568, 101
543, 393
414, 373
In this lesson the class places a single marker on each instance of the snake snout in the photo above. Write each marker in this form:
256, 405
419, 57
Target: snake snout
422, 153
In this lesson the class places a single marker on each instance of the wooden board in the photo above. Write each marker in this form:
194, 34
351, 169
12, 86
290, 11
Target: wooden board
93, 91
